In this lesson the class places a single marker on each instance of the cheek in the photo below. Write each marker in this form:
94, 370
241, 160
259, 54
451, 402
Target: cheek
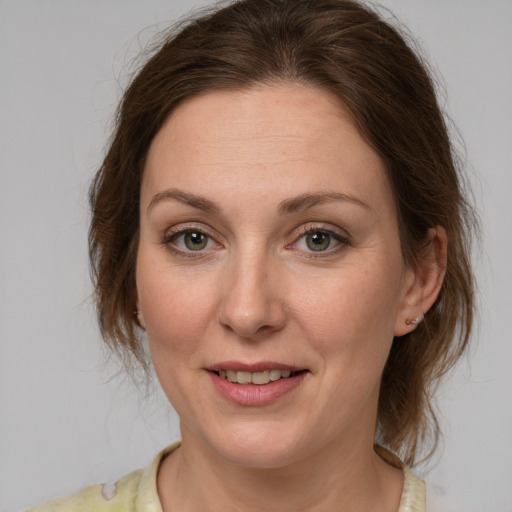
351, 315
177, 311
176, 308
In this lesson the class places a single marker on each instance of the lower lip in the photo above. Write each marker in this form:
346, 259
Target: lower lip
254, 394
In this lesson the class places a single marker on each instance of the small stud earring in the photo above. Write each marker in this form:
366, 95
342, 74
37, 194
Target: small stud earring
414, 321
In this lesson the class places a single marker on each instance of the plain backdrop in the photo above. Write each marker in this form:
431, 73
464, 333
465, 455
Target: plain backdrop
66, 420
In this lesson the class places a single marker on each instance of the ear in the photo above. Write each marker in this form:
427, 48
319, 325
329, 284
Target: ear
138, 313
423, 282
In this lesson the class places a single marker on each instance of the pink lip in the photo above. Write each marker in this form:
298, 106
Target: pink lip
251, 395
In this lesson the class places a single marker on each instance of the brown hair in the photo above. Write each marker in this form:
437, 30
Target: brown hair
347, 49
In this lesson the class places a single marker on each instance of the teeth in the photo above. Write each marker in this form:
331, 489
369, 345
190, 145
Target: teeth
243, 377
275, 375
259, 378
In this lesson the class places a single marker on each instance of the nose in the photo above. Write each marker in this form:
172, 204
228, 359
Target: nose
252, 304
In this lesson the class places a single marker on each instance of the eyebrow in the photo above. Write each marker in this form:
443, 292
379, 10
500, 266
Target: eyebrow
293, 205
201, 203
306, 201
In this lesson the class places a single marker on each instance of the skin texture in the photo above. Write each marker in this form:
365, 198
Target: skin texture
257, 292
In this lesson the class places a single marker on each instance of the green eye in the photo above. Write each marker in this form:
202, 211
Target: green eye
195, 241
190, 242
318, 241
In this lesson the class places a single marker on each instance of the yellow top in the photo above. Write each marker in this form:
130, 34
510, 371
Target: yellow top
137, 492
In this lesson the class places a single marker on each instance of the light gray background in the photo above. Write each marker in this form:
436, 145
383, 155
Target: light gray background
64, 423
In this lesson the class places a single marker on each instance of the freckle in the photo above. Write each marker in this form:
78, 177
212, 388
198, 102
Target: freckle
109, 491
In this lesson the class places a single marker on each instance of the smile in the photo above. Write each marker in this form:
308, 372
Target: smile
260, 378
257, 384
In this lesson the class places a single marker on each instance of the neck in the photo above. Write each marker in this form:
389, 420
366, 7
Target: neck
354, 478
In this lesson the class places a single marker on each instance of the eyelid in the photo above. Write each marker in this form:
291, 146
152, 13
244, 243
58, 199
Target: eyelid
189, 226
304, 229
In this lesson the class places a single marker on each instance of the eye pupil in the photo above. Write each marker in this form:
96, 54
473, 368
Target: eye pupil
318, 241
195, 241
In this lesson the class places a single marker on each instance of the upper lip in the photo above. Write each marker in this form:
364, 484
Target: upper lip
260, 366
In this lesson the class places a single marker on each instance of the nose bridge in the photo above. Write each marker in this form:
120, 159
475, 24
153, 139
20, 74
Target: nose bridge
251, 304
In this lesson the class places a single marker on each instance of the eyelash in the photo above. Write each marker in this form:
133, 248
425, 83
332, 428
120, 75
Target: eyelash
168, 240
342, 242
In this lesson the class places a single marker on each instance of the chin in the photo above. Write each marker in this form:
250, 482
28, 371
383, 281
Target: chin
258, 446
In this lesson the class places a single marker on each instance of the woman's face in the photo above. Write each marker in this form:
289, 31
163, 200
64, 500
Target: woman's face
269, 244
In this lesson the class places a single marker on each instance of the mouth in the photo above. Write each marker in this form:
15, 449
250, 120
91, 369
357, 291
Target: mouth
260, 378
255, 384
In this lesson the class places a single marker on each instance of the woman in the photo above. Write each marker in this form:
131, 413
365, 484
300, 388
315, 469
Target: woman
280, 214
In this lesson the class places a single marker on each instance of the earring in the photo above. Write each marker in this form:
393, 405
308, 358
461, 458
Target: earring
414, 321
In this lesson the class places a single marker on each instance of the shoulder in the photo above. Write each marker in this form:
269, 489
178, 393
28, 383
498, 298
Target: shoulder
413, 494
135, 492
100, 498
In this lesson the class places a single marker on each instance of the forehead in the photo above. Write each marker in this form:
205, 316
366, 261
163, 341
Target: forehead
286, 135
